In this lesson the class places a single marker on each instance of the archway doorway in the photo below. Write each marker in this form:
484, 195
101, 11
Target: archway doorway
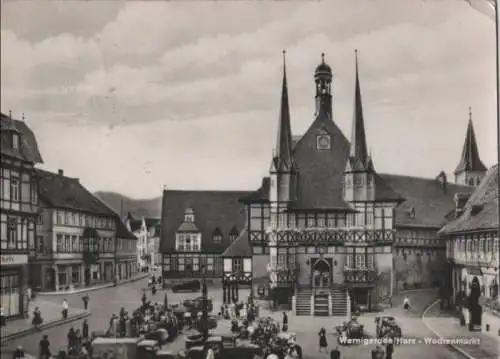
321, 273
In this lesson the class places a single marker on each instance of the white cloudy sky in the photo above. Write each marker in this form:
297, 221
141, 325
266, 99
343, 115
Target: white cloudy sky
131, 96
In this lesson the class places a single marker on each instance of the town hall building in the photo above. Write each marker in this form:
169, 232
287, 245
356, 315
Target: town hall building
325, 231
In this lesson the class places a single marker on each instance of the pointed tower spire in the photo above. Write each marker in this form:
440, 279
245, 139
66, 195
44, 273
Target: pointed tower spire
358, 150
470, 160
283, 151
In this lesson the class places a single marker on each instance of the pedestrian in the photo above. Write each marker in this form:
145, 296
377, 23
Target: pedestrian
71, 338
19, 353
406, 303
2, 317
389, 349
390, 301
37, 317
335, 353
65, 309
285, 322
85, 299
323, 344
45, 348
144, 298
85, 329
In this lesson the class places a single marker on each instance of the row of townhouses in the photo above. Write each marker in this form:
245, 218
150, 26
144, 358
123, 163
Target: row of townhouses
326, 231
55, 234
147, 231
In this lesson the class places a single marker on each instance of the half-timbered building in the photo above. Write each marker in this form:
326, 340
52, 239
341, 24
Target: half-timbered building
327, 229
472, 247
19, 207
196, 228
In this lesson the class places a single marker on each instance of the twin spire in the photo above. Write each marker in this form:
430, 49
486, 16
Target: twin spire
358, 154
283, 158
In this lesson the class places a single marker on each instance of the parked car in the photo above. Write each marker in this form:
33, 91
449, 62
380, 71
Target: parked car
189, 286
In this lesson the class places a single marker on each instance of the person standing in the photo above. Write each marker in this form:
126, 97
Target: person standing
85, 300
323, 344
85, 329
389, 349
285, 322
2, 317
45, 348
65, 309
335, 353
406, 303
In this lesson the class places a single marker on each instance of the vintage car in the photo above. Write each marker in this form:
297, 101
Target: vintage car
350, 330
159, 335
387, 327
189, 286
197, 304
228, 349
193, 338
124, 348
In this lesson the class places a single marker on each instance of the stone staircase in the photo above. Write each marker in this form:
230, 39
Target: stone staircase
339, 302
303, 302
321, 305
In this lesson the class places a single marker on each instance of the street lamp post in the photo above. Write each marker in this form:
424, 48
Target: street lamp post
204, 294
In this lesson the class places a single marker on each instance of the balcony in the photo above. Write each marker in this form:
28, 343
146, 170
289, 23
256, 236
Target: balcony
355, 275
315, 235
282, 276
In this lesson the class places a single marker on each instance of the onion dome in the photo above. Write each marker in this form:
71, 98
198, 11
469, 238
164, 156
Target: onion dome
323, 69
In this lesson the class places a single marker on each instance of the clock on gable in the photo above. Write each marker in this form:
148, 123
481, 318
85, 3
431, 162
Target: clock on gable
323, 142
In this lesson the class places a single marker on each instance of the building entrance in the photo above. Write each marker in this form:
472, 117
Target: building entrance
321, 272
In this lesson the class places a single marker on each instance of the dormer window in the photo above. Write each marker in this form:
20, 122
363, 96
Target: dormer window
233, 234
189, 215
217, 236
15, 141
411, 212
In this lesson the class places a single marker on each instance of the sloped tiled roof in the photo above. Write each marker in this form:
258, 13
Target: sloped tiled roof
135, 224
321, 173
122, 231
429, 201
481, 210
240, 247
59, 191
28, 147
212, 210
261, 195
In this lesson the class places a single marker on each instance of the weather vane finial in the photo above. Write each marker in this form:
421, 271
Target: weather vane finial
10, 114
470, 113
323, 57
22, 116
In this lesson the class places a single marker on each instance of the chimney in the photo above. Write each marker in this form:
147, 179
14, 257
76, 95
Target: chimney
60, 172
460, 201
441, 178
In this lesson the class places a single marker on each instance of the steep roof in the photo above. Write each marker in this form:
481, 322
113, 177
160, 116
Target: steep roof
426, 201
260, 195
481, 210
213, 210
283, 159
321, 172
59, 191
122, 231
28, 146
358, 151
135, 224
240, 247
469, 159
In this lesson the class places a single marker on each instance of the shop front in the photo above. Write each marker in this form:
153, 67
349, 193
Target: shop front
13, 277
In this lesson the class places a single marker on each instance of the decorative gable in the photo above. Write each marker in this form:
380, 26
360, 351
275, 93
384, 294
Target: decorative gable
188, 237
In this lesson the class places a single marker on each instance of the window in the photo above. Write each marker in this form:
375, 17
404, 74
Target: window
67, 243
12, 232
74, 244
67, 218
217, 236
60, 217
369, 216
15, 141
321, 223
360, 261
34, 193
60, 245
377, 216
39, 218
14, 189
233, 234
237, 265
189, 215
388, 218
10, 294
